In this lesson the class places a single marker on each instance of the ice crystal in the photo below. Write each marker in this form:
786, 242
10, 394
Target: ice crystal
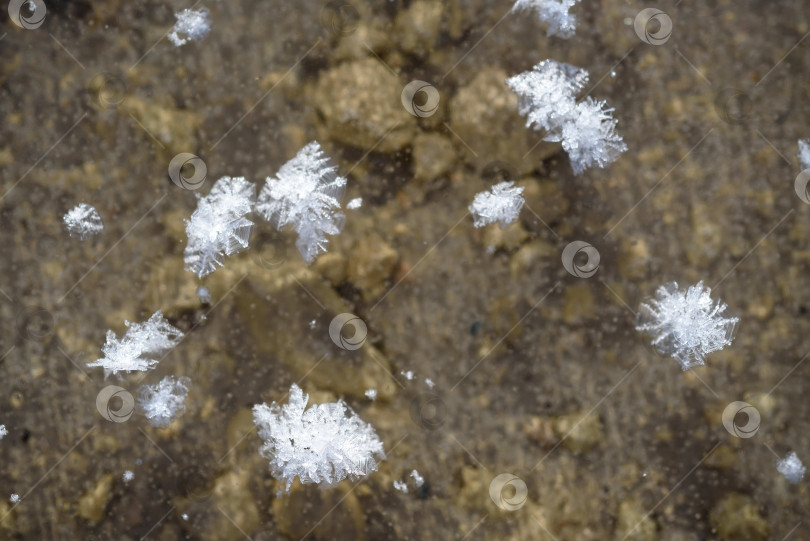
417, 479
791, 467
14, 498
323, 444
547, 98
502, 204
191, 25
3, 431
554, 13
218, 227
128, 476
355, 203
139, 346
305, 194
401, 486
82, 221
165, 401
688, 325
371, 394
804, 153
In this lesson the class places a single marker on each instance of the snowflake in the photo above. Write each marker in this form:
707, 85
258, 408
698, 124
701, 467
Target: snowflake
164, 401
191, 25
305, 194
323, 444
82, 221
219, 226
804, 153
686, 325
138, 347
791, 467
554, 13
590, 137
501, 204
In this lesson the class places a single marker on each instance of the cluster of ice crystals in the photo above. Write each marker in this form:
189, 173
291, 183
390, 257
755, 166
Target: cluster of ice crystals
502, 204
82, 221
305, 194
688, 325
165, 401
191, 25
547, 98
555, 13
139, 346
218, 227
804, 153
323, 444
791, 467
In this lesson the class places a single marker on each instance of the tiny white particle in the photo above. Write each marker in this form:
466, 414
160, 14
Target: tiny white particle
355, 203
14, 498
204, 295
401, 486
313, 324
418, 479
371, 394
128, 476
184, 516
408, 375
3, 431
429, 383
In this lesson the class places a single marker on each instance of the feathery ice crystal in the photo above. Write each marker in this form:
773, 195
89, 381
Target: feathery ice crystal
501, 204
804, 153
191, 25
791, 467
82, 221
686, 325
305, 194
547, 98
138, 347
554, 13
323, 444
165, 401
219, 226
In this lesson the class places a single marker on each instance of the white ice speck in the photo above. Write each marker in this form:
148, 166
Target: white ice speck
401, 486
165, 401
417, 479
82, 221
355, 203
791, 467
184, 516
554, 13
429, 383
14, 498
688, 325
128, 476
501, 204
409, 375
3, 431
371, 394
191, 25
204, 295
804, 153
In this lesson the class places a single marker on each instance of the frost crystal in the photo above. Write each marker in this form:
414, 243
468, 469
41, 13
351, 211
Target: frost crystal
14, 498
355, 203
191, 25
804, 153
401, 486
501, 204
219, 226
323, 445
82, 221
547, 98
417, 479
371, 394
128, 476
3, 431
138, 347
554, 13
791, 467
165, 401
305, 194
686, 325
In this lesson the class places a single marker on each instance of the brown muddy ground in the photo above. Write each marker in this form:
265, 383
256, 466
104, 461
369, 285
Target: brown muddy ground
537, 373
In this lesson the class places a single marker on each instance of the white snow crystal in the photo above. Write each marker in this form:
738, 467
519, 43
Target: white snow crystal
305, 194
3, 431
128, 476
371, 394
429, 382
401, 486
219, 226
82, 221
791, 467
355, 203
165, 401
554, 13
139, 346
501, 204
14, 498
191, 25
687, 325
409, 375
804, 153
590, 136
323, 444
418, 479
